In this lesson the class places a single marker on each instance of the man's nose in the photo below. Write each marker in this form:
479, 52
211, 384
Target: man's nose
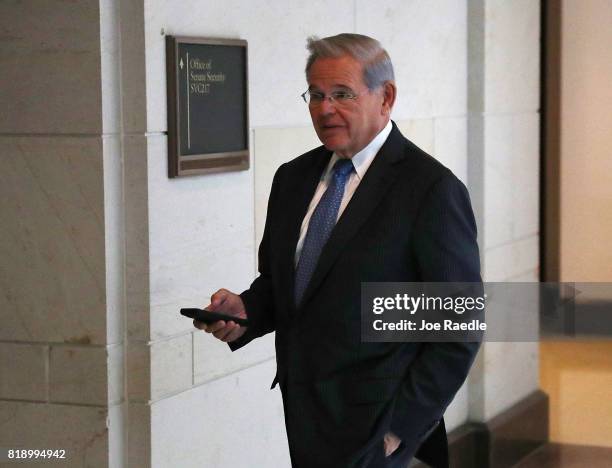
327, 106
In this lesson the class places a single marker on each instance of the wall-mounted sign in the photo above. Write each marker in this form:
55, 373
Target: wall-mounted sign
207, 105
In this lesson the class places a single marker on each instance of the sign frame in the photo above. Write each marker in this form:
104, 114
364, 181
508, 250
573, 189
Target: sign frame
203, 163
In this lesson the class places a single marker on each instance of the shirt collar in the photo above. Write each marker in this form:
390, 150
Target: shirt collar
363, 159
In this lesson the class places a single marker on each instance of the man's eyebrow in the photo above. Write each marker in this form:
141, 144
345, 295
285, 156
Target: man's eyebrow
337, 87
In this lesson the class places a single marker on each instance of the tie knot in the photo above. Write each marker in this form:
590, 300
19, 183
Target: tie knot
343, 168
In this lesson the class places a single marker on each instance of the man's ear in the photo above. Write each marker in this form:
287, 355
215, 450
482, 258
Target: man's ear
389, 93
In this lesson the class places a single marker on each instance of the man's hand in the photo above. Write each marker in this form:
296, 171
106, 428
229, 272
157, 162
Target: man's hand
225, 302
392, 442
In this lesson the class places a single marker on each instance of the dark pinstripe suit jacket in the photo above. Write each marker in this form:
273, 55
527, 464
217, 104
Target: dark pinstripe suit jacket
409, 220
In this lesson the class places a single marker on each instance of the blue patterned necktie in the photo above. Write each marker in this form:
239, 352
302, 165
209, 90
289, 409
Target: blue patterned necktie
320, 226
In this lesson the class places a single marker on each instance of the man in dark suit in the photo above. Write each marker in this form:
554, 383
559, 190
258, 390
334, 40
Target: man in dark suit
367, 206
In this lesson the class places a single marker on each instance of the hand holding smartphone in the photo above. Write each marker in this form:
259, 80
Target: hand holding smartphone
208, 317
227, 321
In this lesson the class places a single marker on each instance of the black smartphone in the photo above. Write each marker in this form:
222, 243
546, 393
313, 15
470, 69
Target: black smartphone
208, 317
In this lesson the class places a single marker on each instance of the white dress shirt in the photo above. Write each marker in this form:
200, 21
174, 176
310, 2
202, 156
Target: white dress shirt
361, 163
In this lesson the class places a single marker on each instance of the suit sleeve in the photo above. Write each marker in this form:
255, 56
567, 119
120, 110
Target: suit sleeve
446, 250
259, 298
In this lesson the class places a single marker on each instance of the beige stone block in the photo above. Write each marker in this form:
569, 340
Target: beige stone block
171, 366
50, 67
133, 67
52, 274
23, 371
139, 372
78, 375
79, 430
139, 435
136, 206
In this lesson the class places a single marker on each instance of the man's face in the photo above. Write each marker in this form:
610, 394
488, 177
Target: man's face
346, 127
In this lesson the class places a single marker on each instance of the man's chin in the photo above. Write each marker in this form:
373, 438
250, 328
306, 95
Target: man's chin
332, 144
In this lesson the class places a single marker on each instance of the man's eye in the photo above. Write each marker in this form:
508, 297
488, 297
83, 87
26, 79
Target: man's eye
342, 95
316, 97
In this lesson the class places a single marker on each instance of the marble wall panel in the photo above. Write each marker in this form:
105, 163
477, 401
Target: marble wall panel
276, 32
200, 239
114, 245
512, 259
213, 359
503, 169
526, 175
512, 56
41, 41
271, 148
79, 374
171, 366
476, 170
419, 131
80, 430
501, 363
117, 435
531, 276
427, 42
450, 145
52, 275
457, 412
214, 412
116, 374
498, 180
23, 371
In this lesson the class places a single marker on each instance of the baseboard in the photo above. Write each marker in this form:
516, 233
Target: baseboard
504, 440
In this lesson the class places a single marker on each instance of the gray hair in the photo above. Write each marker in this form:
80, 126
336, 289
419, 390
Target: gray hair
377, 67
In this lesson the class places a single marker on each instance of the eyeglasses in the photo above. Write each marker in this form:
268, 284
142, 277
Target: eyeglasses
338, 98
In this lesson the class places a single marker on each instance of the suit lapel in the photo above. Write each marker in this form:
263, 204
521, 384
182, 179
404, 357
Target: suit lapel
376, 182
